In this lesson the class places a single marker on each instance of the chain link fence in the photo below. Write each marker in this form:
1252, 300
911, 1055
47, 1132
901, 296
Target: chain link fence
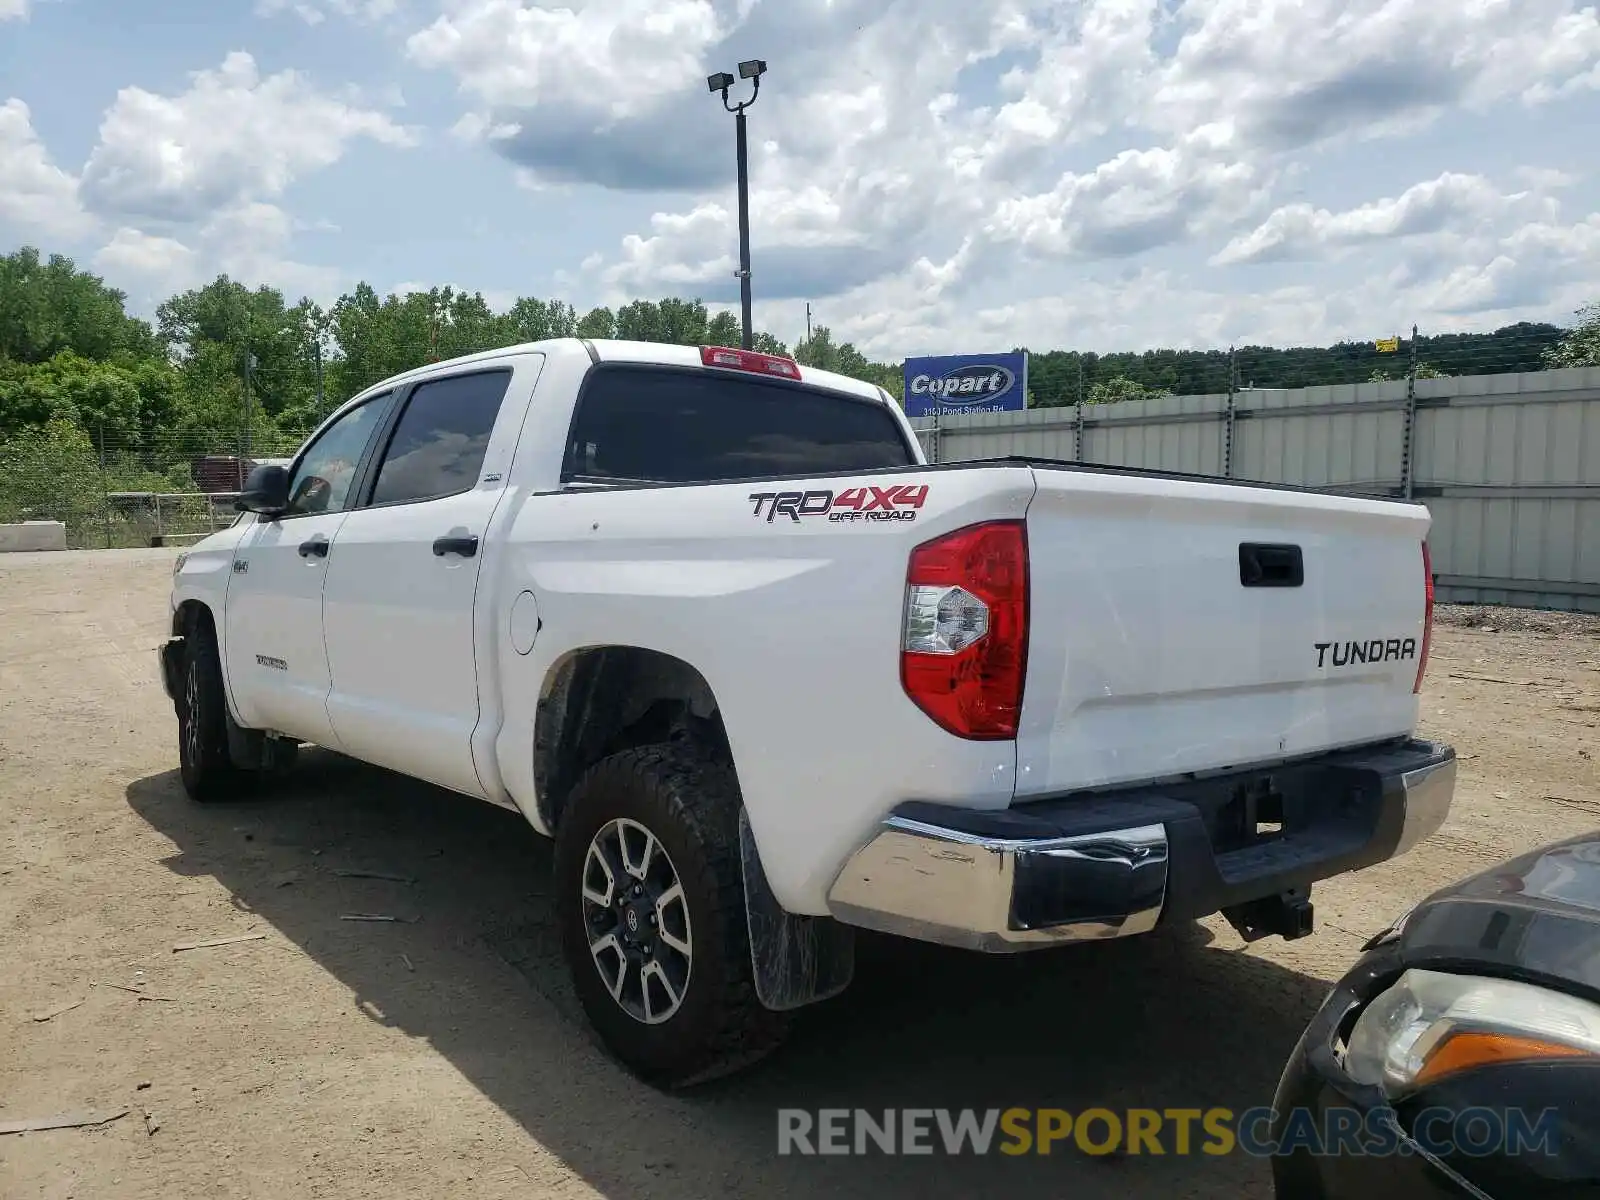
114, 492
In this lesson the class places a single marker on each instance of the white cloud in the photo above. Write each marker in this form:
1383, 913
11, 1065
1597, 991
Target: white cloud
1526, 267
1546, 179
1116, 128
480, 127
1299, 231
1136, 200
250, 242
314, 12
13, 10
1150, 307
150, 258
233, 136
1528, 277
189, 182
35, 193
930, 172
1091, 70
1294, 72
607, 55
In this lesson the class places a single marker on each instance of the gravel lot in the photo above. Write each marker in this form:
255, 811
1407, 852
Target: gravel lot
443, 1056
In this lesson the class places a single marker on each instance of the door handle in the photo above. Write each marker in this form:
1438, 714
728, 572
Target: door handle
317, 545
1271, 566
467, 546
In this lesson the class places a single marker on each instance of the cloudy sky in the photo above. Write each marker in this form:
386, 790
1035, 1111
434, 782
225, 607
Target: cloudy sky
932, 175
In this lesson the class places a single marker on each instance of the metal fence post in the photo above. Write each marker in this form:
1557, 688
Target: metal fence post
1408, 438
1077, 434
105, 487
1227, 432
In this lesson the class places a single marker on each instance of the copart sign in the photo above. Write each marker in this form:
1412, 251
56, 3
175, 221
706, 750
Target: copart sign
966, 383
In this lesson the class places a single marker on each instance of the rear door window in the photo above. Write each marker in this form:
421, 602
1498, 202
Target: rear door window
441, 438
663, 425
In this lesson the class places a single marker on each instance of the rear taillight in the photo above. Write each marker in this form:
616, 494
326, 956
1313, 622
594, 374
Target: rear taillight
1427, 618
964, 648
749, 360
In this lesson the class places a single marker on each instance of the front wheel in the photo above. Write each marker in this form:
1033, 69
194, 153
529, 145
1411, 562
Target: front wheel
651, 901
204, 763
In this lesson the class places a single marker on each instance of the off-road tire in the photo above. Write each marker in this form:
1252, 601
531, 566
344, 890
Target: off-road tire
690, 803
204, 764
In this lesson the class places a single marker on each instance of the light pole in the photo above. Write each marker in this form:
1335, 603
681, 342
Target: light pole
721, 82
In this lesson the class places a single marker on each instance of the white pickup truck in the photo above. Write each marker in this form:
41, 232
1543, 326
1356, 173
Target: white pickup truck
710, 620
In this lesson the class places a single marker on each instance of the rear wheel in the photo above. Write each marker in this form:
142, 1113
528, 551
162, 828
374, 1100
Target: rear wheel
204, 764
651, 899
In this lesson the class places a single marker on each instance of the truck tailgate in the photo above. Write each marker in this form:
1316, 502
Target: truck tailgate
1172, 631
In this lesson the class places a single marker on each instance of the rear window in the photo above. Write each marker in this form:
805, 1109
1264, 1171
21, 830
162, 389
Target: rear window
671, 426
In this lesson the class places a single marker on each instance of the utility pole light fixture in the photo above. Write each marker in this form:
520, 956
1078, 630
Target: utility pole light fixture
751, 69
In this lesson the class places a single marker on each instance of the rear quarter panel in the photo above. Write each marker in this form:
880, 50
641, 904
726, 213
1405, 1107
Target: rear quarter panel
793, 618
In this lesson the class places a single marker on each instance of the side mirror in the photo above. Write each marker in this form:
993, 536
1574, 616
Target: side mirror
266, 491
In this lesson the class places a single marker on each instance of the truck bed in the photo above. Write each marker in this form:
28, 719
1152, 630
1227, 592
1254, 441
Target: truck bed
1152, 651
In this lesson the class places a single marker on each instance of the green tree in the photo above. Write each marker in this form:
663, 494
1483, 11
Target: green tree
1424, 371
820, 350
364, 353
723, 330
682, 322
1580, 346
598, 323
535, 320
1120, 387
48, 306
51, 473
244, 358
125, 404
675, 322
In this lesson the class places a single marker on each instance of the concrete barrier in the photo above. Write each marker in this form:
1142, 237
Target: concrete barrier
33, 535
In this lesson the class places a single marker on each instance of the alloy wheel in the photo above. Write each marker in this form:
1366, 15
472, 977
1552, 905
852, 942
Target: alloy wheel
636, 918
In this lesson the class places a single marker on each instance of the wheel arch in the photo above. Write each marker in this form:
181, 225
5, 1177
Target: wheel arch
191, 614
599, 700
187, 613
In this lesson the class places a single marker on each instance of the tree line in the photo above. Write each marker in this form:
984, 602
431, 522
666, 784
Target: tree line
226, 365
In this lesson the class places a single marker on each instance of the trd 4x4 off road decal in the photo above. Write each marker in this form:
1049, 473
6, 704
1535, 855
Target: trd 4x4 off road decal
897, 502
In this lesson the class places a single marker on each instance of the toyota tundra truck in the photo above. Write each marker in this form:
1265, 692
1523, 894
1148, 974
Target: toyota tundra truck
709, 620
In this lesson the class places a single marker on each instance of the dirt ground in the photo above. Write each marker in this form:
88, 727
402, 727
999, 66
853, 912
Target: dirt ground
443, 1055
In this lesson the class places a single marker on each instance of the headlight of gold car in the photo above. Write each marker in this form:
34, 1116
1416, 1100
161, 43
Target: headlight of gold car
1430, 1025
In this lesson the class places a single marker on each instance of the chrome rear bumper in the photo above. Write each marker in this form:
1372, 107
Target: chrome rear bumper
958, 889
1083, 868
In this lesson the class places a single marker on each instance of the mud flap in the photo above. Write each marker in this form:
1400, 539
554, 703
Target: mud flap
796, 960
255, 750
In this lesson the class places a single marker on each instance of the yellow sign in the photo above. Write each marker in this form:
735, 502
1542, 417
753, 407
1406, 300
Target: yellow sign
1388, 345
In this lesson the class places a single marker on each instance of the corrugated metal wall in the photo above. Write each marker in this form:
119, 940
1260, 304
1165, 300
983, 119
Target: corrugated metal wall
1509, 465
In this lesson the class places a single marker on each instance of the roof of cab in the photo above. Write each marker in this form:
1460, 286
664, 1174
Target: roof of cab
618, 351
689, 356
